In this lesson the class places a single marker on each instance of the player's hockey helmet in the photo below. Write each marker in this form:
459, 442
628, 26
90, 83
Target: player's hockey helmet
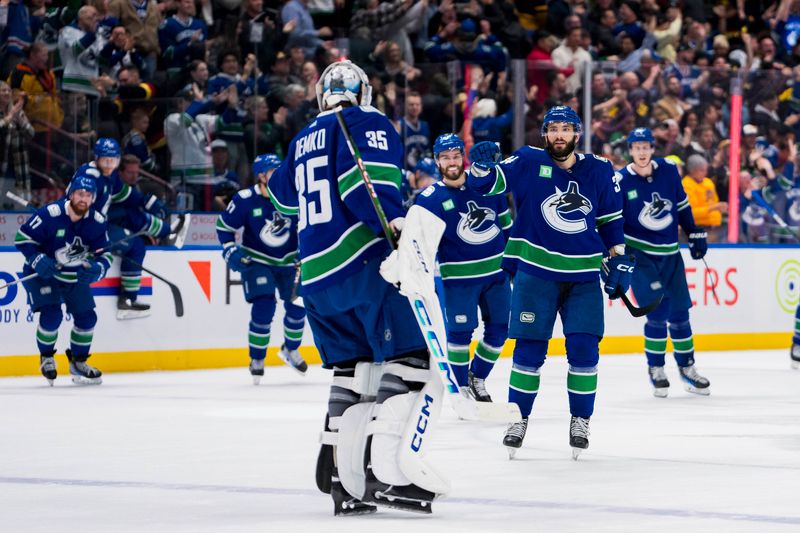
82, 183
445, 142
265, 162
343, 81
643, 135
426, 165
562, 113
106, 147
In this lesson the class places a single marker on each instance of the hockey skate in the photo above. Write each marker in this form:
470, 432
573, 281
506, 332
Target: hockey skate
128, 309
658, 378
405, 498
256, 370
515, 433
82, 373
344, 504
694, 382
178, 230
478, 388
794, 353
293, 359
47, 364
578, 435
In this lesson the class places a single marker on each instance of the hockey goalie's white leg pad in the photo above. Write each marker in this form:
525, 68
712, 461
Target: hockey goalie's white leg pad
352, 443
400, 436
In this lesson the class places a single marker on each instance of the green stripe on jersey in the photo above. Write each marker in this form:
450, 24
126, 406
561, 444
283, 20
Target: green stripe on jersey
505, 219
499, 182
605, 219
379, 174
547, 260
651, 248
471, 269
222, 226
338, 255
261, 257
582, 383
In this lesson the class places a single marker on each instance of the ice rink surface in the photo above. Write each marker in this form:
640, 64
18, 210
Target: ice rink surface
205, 451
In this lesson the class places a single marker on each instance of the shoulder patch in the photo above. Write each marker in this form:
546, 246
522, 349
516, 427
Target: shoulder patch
54, 210
245, 193
92, 172
98, 216
509, 159
430, 189
600, 158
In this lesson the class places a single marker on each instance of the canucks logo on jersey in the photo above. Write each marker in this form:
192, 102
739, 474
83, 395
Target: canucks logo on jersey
72, 254
276, 232
477, 224
566, 211
656, 214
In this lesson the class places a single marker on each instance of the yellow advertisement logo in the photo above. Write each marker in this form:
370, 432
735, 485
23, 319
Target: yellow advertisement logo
787, 285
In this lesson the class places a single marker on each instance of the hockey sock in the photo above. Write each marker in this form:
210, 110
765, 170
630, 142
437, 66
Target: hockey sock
523, 385
130, 283
583, 354
293, 323
47, 331
484, 360
681, 333
655, 341
80, 338
796, 336
261, 313
458, 354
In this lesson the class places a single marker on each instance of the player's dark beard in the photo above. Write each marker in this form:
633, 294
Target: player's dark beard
564, 153
446, 175
78, 209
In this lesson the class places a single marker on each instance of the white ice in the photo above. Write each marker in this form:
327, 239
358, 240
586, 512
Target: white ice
205, 451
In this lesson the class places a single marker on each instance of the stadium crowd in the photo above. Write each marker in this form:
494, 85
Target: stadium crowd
194, 90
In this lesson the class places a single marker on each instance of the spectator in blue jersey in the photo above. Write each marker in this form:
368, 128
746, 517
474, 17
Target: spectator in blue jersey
654, 206
303, 33
569, 216
466, 232
414, 132
135, 141
120, 52
464, 44
266, 259
629, 22
356, 317
182, 37
58, 243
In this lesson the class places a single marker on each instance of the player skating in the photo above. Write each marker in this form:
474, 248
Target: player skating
57, 242
467, 232
569, 214
654, 205
266, 261
357, 318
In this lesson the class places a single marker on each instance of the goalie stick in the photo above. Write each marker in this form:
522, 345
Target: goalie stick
429, 316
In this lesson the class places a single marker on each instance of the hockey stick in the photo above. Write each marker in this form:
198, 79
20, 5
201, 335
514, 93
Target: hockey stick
429, 315
20, 200
295, 283
777, 218
636, 312
713, 283
176, 292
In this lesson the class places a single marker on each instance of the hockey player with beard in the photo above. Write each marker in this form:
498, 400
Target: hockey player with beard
363, 327
133, 213
467, 232
569, 215
57, 242
266, 261
654, 205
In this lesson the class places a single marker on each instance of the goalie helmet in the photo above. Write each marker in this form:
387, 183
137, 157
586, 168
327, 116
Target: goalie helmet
562, 113
341, 82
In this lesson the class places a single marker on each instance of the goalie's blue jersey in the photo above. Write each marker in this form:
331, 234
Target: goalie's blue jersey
50, 231
471, 248
319, 182
268, 237
653, 207
566, 219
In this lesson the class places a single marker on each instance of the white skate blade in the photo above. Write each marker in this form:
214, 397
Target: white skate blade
81, 380
257, 380
51, 382
795, 365
511, 452
695, 390
575, 453
130, 314
660, 392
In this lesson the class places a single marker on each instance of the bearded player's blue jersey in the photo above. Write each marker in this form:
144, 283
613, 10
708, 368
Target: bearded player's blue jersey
476, 226
338, 229
268, 237
50, 231
653, 207
110, 189
566, 219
